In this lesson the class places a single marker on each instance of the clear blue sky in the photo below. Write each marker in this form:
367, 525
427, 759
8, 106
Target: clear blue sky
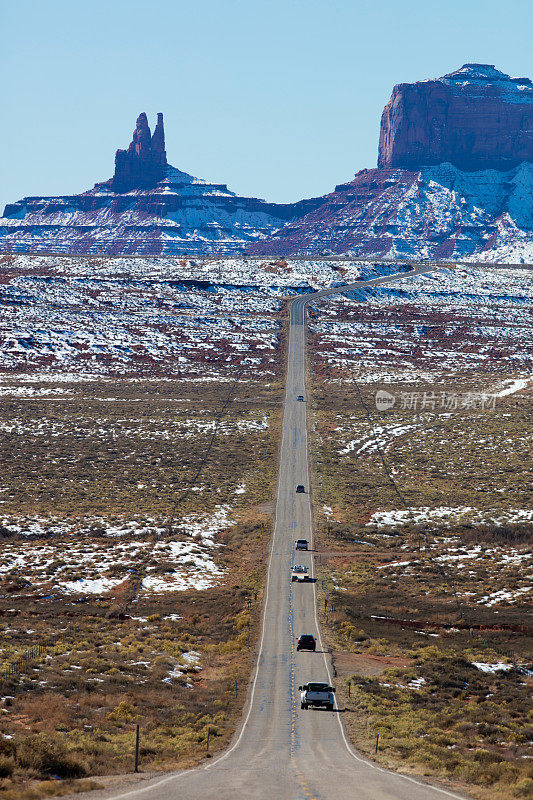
279, 99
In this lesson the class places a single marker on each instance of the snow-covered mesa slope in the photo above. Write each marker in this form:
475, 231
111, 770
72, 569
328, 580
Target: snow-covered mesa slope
180, 214
437, 212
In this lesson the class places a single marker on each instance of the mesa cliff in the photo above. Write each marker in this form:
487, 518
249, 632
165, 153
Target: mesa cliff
454, 178
474, 118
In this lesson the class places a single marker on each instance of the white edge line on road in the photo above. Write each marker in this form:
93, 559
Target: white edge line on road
357, 757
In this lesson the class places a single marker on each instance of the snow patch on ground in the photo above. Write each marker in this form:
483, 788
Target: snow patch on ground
511, 596
188, 662
514, 386
499, 666
476, 318
381, 437
449, 515
98, 586
72, 562
30, 391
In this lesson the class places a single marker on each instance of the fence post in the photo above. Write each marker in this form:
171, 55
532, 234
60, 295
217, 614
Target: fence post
136, 748
349, 688
377, 742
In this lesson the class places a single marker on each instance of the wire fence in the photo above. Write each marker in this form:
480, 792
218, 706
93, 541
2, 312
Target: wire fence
14, 668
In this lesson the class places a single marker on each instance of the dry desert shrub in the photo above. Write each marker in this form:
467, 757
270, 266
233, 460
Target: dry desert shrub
43, 755
7, 765
115, 667
440, 715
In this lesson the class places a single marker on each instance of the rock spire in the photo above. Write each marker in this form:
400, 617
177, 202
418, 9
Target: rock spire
144, 163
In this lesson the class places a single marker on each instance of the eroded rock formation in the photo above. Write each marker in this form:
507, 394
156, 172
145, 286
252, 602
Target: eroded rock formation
143, 164
148, 206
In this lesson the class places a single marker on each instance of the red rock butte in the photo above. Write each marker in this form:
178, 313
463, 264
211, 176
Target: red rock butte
144, 163
474, 118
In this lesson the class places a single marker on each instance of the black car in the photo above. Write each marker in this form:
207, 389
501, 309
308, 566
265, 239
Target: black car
300, 488
306, 642
300, 398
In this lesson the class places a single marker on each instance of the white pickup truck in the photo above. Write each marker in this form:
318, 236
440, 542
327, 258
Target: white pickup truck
300, 573
317, 694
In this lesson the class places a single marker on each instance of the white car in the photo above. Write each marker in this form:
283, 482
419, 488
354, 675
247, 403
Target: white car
300, 573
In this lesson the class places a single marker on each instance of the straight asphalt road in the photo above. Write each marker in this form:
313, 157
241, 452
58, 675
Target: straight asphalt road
281, 752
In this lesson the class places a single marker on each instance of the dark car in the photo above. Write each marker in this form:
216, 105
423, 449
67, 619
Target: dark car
301, 544
300, 488
300, 398
306, 642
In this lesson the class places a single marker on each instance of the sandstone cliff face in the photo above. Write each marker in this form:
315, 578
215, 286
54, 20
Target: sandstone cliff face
475, 118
